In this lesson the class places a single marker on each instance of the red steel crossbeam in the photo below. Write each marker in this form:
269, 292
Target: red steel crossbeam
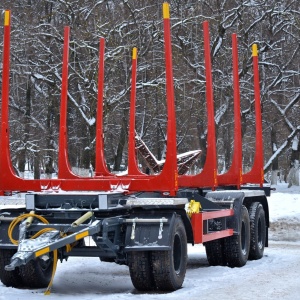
208, 176
234, 175
256, 174
201, 234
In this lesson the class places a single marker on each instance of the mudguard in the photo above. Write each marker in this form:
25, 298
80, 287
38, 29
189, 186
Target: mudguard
154, 234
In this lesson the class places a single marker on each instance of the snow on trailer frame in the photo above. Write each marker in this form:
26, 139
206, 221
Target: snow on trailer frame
136, 219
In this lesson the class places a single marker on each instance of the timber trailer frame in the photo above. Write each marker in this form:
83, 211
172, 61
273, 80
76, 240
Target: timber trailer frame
143, 221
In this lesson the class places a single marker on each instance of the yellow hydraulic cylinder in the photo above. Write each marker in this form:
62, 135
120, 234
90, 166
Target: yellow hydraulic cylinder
29, 220
82, 219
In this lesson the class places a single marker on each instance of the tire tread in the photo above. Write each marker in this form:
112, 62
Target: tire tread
256, 212
9, 278
232, 245
140, 270
215, 252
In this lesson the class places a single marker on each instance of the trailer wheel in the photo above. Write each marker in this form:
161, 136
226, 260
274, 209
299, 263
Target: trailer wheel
140, 270
37, 273
169, 267
9, 278
215, 252
236, 247
257, 231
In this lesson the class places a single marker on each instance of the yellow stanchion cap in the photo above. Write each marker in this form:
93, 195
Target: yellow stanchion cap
254, 50
134, 53
166, 10
7, 18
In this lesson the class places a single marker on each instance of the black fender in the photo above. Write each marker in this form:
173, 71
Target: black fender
146, 236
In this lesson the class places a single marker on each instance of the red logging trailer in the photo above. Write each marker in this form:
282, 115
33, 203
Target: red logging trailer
141, 220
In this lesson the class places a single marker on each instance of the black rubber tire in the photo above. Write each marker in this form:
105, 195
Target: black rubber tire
37, 273
169, 267
257, 231
215, 252
140, 270
9, 278
237, 247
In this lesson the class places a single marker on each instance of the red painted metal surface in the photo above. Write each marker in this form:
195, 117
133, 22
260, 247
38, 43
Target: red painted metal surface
201, 234
64, 168
234, 175
100, 163
168, 180
170, 167
132, 160
8, 180
208, 176
256, 175
5, 154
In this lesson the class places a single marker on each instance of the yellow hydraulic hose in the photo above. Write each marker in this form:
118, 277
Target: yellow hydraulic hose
29, 221
18, 219
48, 290
30, 217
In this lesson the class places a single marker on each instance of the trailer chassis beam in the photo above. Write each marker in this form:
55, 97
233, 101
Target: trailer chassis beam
200, 230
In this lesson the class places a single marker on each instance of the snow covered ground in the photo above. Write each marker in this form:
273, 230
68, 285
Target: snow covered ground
284, 205
275, 276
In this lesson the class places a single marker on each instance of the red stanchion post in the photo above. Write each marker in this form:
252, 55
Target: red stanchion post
100, 163
132, 161
256, 174
64, 168
5, 162
170, 166
234, 175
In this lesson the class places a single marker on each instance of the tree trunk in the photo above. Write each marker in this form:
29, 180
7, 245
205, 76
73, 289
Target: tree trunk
121, 144
36, 166
22, 152
202, 142
49, 169
293, 176
275, 160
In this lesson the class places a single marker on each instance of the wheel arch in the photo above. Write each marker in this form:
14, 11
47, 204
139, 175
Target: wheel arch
263, 200
188, 226
247, 201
